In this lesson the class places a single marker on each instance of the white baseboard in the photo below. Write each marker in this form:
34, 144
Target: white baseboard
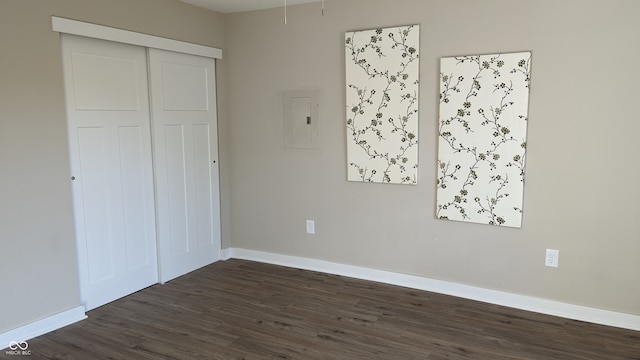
548, 307
226, 254
42, 326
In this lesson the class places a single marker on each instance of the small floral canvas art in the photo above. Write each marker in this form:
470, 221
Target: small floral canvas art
382, 74
483, 138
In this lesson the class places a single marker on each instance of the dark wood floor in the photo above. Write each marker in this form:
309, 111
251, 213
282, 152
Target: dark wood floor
246, 310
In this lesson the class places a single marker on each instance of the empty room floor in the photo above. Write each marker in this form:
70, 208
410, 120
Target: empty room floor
239, 309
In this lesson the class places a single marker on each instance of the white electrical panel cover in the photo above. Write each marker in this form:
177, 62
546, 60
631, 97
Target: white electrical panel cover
301, 109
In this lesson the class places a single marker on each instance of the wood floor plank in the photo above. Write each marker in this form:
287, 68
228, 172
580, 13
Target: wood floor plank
246, 310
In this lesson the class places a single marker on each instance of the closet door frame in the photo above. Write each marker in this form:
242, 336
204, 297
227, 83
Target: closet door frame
81, 28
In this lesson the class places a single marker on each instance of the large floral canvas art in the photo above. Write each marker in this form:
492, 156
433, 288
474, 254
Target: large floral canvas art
382, 75
483, 138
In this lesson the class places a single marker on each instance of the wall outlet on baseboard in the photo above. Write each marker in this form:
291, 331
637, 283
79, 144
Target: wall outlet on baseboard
311, 227
552, 258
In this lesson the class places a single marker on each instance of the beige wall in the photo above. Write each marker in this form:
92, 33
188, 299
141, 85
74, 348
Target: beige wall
38, 262
581, 195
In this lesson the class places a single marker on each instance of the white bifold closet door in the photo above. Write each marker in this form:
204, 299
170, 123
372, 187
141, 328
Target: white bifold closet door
130, 236
185, 141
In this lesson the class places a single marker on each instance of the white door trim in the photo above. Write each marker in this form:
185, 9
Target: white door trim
81, 28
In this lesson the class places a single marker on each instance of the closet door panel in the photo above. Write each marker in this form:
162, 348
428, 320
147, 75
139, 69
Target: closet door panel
203, 187
112, 175
134, 190
185, 148
174, 222
94, 204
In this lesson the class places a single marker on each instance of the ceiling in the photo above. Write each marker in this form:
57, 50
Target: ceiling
232, 6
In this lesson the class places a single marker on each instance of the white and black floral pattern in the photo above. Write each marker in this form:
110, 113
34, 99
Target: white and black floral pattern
483, 138
382, 73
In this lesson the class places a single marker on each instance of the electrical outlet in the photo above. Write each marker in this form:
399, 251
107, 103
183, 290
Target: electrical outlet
552, 258
311, 227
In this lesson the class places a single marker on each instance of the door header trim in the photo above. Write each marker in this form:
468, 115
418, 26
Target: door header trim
81, 28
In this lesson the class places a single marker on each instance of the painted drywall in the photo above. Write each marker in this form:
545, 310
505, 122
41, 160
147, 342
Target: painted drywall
581, 194
38, 269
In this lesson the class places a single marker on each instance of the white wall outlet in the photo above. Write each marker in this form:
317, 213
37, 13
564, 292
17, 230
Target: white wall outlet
311, 227
552, 258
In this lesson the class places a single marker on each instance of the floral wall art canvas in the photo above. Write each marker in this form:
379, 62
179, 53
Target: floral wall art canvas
483, 138
382, 75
